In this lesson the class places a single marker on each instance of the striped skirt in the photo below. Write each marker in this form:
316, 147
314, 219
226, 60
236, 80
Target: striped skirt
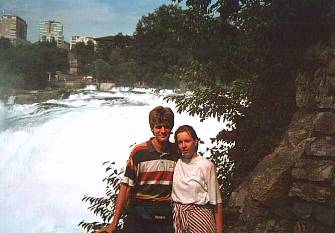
189, 218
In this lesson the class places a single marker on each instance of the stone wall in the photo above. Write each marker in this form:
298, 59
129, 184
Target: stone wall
293, 189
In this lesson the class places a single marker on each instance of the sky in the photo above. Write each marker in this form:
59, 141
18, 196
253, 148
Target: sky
93, 18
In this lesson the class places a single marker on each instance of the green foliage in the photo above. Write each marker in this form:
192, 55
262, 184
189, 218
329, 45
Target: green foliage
102, 70
114, 60
158, 45
85, 56
103, 207
247, 53
149, 56
4, 43
28, 67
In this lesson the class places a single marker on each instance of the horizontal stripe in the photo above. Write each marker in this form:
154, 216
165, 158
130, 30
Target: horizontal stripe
155, 176
128, 181
157, 165
163, 182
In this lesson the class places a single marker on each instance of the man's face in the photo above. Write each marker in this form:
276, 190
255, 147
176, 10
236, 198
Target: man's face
162, 132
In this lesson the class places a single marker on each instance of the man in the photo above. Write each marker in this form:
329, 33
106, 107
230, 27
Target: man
147, 182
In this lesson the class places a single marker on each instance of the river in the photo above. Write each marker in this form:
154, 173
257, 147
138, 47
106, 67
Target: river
51, 153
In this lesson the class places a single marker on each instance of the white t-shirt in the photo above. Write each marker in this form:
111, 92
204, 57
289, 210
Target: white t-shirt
195, 182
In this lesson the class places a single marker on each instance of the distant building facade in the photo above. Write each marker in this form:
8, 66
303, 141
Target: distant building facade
52, 31
13, 28
82, 39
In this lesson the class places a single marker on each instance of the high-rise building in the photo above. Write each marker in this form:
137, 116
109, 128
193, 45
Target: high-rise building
52, 31
13, 28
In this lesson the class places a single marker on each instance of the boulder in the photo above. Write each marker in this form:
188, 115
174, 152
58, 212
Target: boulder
324, 215
271, 179
310, 192
315, 91
324, 124
321, 147
303, 210
313, 170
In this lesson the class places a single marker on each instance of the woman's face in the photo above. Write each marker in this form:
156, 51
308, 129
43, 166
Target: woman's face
187, 145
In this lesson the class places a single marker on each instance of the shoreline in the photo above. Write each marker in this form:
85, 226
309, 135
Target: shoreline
34, 96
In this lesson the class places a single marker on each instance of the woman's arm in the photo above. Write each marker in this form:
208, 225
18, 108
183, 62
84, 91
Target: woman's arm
218, 215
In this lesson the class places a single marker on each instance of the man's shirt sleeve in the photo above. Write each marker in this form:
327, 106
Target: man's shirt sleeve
130, 172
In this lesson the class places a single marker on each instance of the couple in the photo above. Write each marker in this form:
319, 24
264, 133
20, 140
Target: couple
146, 189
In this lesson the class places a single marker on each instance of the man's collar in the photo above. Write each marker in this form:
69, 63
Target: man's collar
152, 148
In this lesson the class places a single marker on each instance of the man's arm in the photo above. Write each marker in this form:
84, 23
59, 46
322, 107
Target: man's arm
218, 215
121, 201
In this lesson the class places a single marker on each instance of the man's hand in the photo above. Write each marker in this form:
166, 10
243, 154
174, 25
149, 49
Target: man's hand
107, 229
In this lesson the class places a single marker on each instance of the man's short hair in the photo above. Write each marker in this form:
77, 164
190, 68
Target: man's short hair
161, 115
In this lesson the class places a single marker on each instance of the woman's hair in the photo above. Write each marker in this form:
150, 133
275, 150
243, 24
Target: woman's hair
188, 129
161, 115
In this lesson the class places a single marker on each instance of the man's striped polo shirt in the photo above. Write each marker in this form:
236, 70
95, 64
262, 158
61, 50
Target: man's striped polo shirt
150, 172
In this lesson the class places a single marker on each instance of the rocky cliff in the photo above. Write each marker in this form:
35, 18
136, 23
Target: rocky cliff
293, 188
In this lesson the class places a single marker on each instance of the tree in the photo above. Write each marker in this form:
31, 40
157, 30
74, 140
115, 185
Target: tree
28, 67
102, 70
85, 56
4, 43
158, 45
115, 59
254, 62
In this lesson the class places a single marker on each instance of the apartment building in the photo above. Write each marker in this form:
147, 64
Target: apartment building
13, 28
52, 31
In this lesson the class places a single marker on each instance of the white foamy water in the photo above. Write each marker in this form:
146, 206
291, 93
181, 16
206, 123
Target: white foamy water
51, 154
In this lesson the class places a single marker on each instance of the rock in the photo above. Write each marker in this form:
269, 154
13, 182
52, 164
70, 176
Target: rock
313, 170
322, 147
273, 226
306, 227
310, 192
270, 180
331, 68
293, 188
315, 91
253, 214
305, 93
324, 215
105, 86
324, 123
303, 210
324, 95
37, 96
283, 211
238, 197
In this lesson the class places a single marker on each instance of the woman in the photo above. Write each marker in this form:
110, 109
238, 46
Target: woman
195, 191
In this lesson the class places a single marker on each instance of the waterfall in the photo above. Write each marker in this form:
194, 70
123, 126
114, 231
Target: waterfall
51, 153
